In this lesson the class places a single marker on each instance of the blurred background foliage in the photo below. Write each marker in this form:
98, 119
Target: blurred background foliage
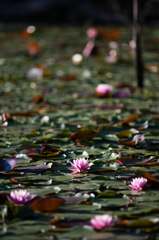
77, 11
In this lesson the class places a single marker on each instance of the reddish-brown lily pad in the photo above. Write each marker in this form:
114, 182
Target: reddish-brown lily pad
86, 133
137, 139
46, 204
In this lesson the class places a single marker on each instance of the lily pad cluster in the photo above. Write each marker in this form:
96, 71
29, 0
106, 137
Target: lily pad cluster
75, 163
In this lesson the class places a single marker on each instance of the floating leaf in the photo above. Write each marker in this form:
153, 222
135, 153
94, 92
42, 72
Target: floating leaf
126, 121
35, 169
125, 93
41, 155
46, 204
27, 32
123, 134
107, 194
131, 118
153, 180
111, 156
38, 99
68, 78
74, 200
125, 85
136, 161
23, 114
8, 164
47, 148
86, 133
108, 34
137, 139
141, 223
33, 48
45, 152
60, 223
153, 67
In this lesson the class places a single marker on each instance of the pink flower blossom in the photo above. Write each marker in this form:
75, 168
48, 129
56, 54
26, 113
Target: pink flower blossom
80, 165
20, 197
101, 221
138, 183
92, 33
104, 89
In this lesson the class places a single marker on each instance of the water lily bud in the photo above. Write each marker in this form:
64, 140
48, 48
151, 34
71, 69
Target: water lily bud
31, 29
92, 33
104, 89
77, 59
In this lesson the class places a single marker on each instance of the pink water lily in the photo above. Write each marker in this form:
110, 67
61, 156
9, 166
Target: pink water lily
20, 197
92, 33
138, 183
101, 221
104, 89
80, 165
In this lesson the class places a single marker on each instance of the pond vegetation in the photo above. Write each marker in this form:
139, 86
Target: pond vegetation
78, 162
